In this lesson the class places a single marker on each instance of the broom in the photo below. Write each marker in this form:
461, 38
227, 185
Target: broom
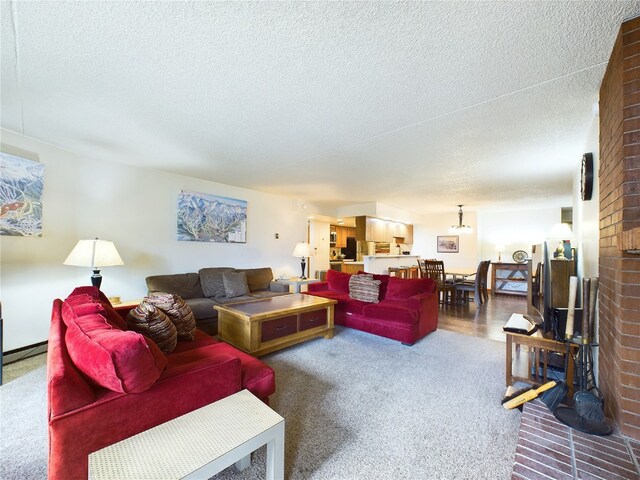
527, 395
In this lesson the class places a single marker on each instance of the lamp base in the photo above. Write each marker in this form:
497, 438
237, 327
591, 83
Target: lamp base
303, 264
96, 279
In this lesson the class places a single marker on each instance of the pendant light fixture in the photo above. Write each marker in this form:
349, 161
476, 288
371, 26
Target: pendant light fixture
460, 228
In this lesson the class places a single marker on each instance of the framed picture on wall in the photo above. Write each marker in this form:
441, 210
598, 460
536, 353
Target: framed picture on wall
211, 218
448, 244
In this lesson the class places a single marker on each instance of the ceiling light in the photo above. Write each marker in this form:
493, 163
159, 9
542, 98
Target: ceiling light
460, 228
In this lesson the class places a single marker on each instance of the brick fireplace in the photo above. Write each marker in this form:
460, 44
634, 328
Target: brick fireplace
619, 264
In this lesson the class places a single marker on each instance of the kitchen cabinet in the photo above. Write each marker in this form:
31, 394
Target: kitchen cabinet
402, 233
352, 267
341, 235
371, 229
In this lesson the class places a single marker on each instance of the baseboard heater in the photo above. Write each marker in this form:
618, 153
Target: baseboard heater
24, 352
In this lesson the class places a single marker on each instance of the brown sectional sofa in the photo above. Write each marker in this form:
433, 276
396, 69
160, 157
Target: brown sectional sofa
204, 289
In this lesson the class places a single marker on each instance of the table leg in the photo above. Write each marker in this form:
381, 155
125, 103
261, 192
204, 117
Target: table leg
243, 463
275, 454
296, 288
509, 359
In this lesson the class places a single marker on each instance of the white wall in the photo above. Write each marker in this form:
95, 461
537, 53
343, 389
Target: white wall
515, 230
425, 234
586, 215
586, 227
136, 209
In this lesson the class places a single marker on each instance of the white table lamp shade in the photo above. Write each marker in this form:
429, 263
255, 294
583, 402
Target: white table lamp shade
94, 253
561, 231
302, 250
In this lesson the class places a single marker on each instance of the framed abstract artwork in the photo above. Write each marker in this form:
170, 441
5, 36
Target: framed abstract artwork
448, 244
210, 218
21, 187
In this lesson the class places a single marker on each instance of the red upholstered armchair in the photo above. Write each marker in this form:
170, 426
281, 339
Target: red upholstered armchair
106, 384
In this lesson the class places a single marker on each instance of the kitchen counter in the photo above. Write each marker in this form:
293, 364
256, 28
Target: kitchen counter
382, 263
384, 255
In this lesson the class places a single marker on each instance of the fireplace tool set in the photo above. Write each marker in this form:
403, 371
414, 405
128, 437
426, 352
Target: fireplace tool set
587, 414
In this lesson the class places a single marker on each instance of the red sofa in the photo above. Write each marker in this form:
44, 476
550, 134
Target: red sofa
89, 347
407, 309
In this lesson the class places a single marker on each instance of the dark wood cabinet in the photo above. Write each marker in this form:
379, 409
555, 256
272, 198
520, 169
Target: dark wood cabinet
509, 278
561, 270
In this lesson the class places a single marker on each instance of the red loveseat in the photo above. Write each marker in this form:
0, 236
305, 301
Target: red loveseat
407, 309
106, 384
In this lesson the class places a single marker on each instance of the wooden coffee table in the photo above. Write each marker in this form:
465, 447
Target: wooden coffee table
263, 326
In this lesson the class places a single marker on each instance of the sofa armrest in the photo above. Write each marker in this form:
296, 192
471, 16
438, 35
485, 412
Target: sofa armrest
318, 287
278, 287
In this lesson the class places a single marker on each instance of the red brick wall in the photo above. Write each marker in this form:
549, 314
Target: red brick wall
619, 178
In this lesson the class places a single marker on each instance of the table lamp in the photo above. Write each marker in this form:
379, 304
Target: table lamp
302, 250
95, 254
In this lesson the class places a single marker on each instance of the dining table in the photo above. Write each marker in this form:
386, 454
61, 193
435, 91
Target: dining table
460, 275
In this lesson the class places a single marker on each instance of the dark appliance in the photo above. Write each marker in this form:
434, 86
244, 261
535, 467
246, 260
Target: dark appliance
350, 250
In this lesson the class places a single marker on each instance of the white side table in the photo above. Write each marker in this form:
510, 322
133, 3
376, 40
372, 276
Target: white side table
198, 444
297, 282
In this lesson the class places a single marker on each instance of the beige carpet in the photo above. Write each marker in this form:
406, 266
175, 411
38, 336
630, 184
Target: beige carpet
356, 407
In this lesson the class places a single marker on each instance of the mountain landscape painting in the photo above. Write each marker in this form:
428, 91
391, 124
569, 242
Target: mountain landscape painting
210, 218
21, 187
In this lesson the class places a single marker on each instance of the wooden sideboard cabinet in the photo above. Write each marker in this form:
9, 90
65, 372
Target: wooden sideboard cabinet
509, 278
561, 270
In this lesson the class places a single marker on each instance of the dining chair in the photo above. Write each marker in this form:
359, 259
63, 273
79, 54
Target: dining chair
434, 269
478, 286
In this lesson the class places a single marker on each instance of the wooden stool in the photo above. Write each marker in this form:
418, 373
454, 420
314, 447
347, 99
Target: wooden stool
398, 272
412, 272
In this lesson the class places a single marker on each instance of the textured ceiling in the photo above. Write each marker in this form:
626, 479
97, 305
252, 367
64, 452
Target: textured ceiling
418, 105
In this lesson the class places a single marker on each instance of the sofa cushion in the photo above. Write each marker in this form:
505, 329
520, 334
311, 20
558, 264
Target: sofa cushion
258, 279
202, 308
200, 340
153, 323
211, 281
96, 296
226, 301
384, 311
178, 312
338, 281
401, 288
122, 361
235, 284
187, 285
266, 294
364, 288
80, 305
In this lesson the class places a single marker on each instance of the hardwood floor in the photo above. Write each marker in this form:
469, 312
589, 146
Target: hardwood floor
485, 321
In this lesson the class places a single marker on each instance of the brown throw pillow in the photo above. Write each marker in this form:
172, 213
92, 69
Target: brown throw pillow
235, 284
364, 288
178, 312
153, 323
